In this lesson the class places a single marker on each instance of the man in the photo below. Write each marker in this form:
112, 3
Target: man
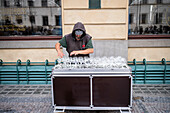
78, 43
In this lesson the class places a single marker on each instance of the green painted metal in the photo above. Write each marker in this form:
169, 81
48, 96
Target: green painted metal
144, 72
94, 4
17, 65
150, 72
25, 72
164, 62
134, 62
27, 64
46, 63
144, 62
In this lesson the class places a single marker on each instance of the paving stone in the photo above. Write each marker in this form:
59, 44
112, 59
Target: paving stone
36, 92
11, 92
7, 111
28, 92
136, 88
167, 88
20, 92
41, 86
138, 91
31, 89
151, 88
134, 85
26, 86
141, 86
7, 89
23, 89
19, 86
144, 88
137, 98
34, 86
3, 92
15, 89
163, 91
149, 85
39, 89
47, 89
49, 86
155, 91
40, 101
11, 86
146, 91
159, 88
44, 92
1, 86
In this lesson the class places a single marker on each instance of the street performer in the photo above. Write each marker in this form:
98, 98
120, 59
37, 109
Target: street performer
77, 44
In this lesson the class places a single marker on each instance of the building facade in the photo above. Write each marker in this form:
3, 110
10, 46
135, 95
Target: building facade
107, 21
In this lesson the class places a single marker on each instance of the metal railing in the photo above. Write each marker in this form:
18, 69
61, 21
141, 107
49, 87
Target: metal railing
150, 72
144, 72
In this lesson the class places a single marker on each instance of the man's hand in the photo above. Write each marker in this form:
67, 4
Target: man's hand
60, 54
86, 51
74, 53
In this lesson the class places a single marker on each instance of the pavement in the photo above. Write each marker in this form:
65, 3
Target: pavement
38, 99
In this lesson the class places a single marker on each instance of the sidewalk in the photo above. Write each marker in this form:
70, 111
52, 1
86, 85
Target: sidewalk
37, 99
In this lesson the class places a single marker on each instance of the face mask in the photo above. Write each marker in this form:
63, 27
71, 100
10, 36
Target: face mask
78, 32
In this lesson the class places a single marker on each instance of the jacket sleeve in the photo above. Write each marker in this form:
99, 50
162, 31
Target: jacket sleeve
63, 42
89, 44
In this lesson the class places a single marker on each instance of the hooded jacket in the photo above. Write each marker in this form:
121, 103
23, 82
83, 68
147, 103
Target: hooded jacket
73, 44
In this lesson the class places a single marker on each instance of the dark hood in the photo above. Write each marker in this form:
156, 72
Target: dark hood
80, 26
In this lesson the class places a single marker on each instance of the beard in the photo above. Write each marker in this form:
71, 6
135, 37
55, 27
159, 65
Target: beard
77, 38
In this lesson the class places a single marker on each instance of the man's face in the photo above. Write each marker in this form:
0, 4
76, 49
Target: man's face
78, 34
78, 37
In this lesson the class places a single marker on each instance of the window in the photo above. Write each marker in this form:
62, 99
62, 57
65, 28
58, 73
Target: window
57, 20
130, 1
45, 20
17, 3
131, 17
144, 19
30, 3
44, 3
19, 19
158, 18
6, 3
158, 1
94, 4
144, 1
32, 19
58, 2
7, 20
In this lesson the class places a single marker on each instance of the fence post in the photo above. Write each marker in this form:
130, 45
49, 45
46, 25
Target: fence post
134, 62
164, 62
56, 62
27, 63
17, 64
46, 63
144, 62
1, 62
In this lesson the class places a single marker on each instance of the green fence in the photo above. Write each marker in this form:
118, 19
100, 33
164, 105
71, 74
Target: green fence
150, 72
144, 72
